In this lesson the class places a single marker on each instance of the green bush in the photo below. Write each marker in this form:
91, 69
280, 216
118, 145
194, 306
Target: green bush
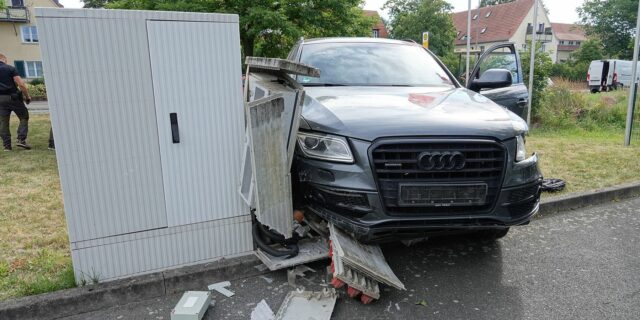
37, 81
562, 108
37, 91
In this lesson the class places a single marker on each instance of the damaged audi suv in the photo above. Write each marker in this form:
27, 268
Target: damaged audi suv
391, 146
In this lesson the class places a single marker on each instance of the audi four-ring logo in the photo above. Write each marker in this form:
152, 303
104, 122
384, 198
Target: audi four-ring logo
441, 160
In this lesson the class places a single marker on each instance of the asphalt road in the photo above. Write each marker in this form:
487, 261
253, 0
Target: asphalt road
582, 264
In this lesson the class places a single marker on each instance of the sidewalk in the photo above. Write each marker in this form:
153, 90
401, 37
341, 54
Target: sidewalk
37, 107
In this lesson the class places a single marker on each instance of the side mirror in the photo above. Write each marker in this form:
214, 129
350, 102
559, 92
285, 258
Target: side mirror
492, 79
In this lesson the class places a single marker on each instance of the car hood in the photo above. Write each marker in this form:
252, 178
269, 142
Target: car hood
369, 113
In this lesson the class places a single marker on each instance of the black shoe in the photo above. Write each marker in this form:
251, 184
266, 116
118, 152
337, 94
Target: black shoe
7, 149
51, 147
23, 144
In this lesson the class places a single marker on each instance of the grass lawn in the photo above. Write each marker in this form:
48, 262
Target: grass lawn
34, 249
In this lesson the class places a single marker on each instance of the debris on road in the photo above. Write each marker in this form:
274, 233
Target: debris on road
220, 287
300, 305
298, 271
262, 312
192, 306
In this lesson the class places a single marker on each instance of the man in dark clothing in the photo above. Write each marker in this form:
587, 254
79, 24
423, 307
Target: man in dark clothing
12, 99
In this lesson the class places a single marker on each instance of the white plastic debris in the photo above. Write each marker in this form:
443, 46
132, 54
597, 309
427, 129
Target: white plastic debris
307, 305
220, 287
262, 312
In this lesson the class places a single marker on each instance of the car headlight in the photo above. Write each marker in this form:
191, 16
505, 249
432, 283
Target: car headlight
324, 147
521, 151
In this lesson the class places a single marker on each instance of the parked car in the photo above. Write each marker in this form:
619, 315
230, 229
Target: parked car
611, 74
391, 146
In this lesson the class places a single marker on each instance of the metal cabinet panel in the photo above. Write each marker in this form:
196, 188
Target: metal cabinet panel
196, 71
103, 116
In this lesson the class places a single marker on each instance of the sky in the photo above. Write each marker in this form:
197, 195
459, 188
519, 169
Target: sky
559, 10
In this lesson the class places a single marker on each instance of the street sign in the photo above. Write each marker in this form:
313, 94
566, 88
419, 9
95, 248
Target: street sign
425, 39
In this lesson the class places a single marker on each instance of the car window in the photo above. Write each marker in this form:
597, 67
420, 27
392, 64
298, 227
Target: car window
372, 64
501, 60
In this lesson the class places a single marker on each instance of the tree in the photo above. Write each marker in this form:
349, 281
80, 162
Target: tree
271, 27
95, 3
409, 18
589, 50
541, 72
486, 3
614, 22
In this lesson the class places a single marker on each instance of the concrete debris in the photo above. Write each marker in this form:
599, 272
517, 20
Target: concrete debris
308, 305
220, 287
298, 271
261, 267
267, 279
262, 312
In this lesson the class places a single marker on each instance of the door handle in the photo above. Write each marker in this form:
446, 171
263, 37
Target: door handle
522, 102
175, 132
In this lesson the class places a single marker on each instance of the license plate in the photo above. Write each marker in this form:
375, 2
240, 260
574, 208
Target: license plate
441, 195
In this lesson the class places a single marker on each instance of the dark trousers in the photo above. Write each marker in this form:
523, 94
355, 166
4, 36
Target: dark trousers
51, 142
18, 107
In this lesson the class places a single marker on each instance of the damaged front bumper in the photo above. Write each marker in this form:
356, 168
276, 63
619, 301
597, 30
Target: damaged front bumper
347, 195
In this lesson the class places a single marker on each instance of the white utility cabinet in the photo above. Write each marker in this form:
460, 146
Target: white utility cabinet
148, 118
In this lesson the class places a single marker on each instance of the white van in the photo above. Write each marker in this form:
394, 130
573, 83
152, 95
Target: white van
605, 75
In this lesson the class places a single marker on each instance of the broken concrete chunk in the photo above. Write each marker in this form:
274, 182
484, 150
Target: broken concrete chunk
220, 287
308, 305
262, 312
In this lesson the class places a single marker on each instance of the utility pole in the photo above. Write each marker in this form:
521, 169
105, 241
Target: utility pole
468, 44
634, 91
533, 59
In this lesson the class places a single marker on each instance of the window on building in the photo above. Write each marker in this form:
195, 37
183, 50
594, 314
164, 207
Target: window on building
29, 69
17, 3
570, 43
540, 27
375, 33
561, 42
481, 48
475, 17
577, 43
29, 34
488, 14
483, 30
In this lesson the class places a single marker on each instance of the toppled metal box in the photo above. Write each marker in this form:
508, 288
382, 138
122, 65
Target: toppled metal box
192, 306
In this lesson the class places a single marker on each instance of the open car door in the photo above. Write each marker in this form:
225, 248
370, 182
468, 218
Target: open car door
503, 56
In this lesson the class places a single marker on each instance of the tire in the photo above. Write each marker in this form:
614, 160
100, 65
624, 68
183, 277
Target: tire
492, 234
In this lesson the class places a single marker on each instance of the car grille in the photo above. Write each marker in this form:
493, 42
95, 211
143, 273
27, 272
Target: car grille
396, 163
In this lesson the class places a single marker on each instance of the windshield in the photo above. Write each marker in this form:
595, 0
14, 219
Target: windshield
372, 64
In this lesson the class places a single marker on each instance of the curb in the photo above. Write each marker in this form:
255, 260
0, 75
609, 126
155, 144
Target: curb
582, 199
89, 298
96, 297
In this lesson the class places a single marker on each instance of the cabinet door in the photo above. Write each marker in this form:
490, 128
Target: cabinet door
197, 82
105, 126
